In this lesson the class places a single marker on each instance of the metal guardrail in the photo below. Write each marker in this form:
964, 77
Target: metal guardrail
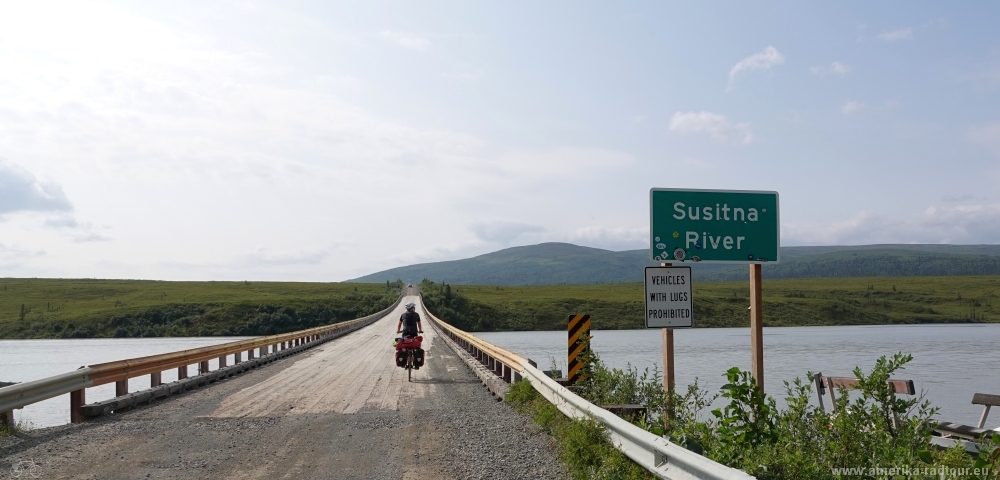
75, 383
654, 453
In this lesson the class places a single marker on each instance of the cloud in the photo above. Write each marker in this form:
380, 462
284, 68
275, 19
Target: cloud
835, 68
88, 237
961, 224
503, 233
611, 238
713, 124
263, 257
764, 60
968, 197
20, 191
14, 252
409, 42
852, 107
840, 68
987, 136
898, 34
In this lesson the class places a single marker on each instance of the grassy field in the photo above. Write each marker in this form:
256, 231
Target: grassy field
815, 301
54, 308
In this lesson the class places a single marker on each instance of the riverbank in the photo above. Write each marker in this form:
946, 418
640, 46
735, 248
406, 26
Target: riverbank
84, 308
787, 302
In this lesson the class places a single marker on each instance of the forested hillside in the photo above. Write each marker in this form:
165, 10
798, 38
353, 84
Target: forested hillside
563, 263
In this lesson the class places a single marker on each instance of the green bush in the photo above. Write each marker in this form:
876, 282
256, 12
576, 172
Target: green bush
869, 428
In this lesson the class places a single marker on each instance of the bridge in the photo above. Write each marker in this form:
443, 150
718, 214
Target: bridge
327, 402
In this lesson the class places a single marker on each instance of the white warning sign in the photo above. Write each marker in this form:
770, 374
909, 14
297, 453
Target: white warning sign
668, 297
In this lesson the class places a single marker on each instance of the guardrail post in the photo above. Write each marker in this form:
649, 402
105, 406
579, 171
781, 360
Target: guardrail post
237, 357
121, 388
284, 345
203, 367
182, 372
7, 418
262, 351
77, 399
507, 373
155, 380
250, 354
222, 361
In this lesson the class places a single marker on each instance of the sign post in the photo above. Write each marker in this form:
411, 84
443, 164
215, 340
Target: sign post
715, 226
669, 305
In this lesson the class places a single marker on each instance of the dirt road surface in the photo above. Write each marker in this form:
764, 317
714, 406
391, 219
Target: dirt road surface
342, 410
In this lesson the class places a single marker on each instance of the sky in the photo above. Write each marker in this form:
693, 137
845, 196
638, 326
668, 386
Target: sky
322, 141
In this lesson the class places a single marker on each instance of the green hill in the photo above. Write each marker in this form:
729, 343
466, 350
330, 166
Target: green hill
563, 263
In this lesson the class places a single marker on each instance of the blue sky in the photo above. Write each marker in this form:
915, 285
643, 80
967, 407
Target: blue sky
319, 141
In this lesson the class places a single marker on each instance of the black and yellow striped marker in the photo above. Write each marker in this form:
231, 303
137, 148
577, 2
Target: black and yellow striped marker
579, 331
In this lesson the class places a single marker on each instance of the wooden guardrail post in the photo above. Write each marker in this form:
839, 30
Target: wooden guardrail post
77, 399
203, 367
222, 361
155, 379
121, 388
262, 351
250, 354
7, 418
237, 357
182, 372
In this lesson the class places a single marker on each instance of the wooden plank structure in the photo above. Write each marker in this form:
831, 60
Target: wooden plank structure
949, 429
578, 327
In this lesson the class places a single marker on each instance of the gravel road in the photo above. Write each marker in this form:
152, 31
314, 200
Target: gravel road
340, 410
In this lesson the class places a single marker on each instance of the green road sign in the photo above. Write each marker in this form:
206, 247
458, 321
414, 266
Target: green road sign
715, 226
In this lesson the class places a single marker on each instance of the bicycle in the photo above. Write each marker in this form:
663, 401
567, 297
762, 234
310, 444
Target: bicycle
409, 355
25, 467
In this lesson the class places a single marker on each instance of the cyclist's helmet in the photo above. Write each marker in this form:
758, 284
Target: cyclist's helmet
411, 306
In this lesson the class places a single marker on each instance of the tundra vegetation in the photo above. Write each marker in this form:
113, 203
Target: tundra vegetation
55, 308
857, 439
787, 302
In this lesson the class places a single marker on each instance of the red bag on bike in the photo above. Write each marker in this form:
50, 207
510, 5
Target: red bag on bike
409, 343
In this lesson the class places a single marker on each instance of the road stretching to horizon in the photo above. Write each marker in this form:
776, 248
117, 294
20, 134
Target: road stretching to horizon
340, 410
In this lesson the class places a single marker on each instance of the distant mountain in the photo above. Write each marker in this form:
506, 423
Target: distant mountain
564, 263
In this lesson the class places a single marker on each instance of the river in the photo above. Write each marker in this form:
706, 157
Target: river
24, 360
951, 362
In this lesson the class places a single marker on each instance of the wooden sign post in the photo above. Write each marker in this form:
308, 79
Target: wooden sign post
756, 326
667, 335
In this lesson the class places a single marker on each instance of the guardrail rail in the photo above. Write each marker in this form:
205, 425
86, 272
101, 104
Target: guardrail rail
654, 453
259, 350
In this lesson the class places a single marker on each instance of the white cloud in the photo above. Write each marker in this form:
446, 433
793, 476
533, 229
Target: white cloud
852, 107
20, 191
713, 124
764, 60
262, 256
840, 68
961, 224
503, 233
611, 238
968, 197
897, 34
409, 42
835, 68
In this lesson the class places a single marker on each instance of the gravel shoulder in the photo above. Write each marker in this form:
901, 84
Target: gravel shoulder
340, 410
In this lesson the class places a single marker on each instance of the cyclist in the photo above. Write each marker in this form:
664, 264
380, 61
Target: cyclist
409, 323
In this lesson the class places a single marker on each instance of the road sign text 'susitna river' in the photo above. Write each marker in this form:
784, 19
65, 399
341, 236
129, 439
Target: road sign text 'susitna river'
716, 226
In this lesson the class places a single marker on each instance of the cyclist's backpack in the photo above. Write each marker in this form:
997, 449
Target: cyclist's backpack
418, 357
400, 358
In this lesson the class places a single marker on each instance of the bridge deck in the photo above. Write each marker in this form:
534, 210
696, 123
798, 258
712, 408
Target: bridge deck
341, 410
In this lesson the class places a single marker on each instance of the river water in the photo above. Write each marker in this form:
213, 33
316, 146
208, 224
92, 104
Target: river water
950, 362
24, 360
